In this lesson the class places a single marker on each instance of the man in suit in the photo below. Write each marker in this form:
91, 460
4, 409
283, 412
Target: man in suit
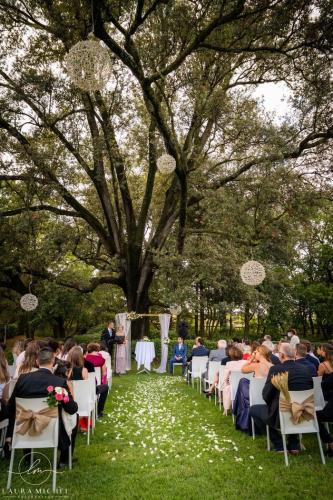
301, 353
219, 353
109, 337
34, 385
179, 354
299, 379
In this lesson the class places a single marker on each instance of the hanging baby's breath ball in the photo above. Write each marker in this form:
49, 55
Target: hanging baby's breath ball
252, 273
29, 302
175, 309
166, 164
88, 64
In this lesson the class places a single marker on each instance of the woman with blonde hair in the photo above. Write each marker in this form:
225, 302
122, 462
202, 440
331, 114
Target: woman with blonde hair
259, 363
29, 363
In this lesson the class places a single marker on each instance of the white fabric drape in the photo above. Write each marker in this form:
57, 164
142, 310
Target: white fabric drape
165, 323
122, 321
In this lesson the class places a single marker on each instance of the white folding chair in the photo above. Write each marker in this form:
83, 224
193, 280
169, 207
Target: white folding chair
213, 368
94, 396
218, 387
11, 370
318, 393
234, 382
48, 438
83, 398
198, 368
11, 384
109, 372
98, 374
3, 430
255, 396
176, 364
306, 427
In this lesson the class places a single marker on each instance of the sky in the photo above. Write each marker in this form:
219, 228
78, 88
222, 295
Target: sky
274, 97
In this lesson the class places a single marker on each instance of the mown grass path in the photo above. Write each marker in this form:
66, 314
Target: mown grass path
161, 440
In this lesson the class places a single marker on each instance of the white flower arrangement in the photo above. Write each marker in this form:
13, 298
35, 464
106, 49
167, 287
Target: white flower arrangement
145, 339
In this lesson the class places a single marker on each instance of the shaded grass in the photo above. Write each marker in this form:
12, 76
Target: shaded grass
193, 457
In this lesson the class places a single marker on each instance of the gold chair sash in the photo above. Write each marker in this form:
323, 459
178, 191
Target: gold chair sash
299, 411
33, 422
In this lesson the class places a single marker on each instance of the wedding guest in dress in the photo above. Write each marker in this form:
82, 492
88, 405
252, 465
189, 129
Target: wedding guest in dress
34, 385
90, 367
326, 414
76, 360
120, 351
30, 359
299, 379
69, 343
179, 354
18, 348
259, 364
20, 357
326, 366
235, 365
99, 362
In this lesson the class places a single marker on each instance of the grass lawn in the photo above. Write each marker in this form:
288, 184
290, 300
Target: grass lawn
162, 440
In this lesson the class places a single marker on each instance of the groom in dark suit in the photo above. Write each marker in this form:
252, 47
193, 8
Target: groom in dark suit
109, 337
34, 385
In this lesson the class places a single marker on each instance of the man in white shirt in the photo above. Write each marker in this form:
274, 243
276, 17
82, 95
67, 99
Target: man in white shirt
293, 338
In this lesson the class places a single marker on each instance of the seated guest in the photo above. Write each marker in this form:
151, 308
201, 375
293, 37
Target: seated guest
247, 352
310, 356
69, 343
299, 379
227, 357
270, 346
34, 385
99, 362
219, 353
301, 353
76, 360
179, 354
90, 367
20, 357
4, 375
326, 414
29, 363
199, 349
268, 342
235, 365
259, 364
18, 349
326, 366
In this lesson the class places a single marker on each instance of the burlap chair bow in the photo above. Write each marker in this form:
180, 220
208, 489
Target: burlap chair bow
299, 411
33, 422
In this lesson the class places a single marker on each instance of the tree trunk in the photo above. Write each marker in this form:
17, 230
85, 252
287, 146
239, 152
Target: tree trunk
201, 312
230, 324
312, 328
59, 327
196, 316
247, 319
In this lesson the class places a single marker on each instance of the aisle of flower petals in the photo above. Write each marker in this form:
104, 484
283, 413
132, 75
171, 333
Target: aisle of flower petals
160, 421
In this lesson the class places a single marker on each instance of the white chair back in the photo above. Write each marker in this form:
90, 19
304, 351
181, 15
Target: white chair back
83, 397
108, 368
198, 366
221, 374
255, 393
213, 368
11, 370
318, 393
287, 426
98, 373
234, 381
48, 437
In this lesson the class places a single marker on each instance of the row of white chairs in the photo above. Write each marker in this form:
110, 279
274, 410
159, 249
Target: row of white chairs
200, 366
86, 399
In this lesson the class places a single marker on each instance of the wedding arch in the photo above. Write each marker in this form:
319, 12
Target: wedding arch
124, 319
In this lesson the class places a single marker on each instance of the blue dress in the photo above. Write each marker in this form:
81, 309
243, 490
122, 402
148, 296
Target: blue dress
241, 407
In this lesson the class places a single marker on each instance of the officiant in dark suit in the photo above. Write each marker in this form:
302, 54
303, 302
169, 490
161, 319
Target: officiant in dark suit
34, 385
109, 337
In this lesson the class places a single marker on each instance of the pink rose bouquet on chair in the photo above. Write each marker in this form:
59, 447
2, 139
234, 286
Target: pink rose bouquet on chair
56, 396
